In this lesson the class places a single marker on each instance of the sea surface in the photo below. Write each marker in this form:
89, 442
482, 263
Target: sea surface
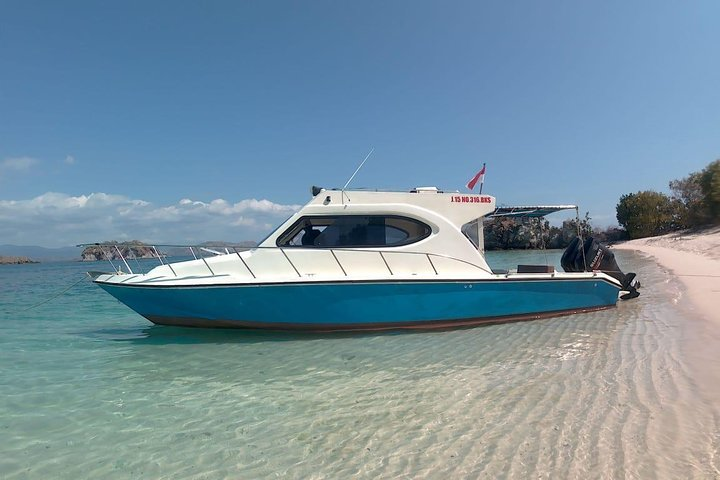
89, 389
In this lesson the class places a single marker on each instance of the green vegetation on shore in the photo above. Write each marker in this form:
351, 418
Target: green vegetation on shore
694, 202
508, 233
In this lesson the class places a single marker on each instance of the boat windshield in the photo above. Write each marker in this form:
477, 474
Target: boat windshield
347, 231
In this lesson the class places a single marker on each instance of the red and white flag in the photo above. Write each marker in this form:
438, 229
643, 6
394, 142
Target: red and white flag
479, 177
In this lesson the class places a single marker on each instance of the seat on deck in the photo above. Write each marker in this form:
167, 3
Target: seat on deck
535, 269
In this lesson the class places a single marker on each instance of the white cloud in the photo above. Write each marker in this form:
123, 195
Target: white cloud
17, 164
69, 160
57, 219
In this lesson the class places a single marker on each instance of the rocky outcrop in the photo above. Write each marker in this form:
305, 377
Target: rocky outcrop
107, 251
15, 260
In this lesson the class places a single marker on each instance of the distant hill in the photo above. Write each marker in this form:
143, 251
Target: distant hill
41, 254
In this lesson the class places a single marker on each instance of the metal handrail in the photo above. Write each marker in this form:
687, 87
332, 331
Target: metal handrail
386, 264
244, 263
206, 248
338, 262
290, 262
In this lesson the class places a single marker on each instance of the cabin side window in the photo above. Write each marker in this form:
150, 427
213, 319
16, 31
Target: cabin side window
348, 231
473, 232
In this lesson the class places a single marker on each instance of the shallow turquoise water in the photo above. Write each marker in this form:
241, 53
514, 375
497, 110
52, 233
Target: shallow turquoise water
92, 390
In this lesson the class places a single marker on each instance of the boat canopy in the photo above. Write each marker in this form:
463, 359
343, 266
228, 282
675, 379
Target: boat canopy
529, 211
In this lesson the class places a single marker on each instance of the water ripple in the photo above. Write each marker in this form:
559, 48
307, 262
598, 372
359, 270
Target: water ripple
92, 390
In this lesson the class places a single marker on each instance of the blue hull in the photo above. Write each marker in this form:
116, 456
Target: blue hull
364, 305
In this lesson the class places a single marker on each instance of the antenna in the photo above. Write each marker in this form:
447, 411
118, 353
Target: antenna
358, 168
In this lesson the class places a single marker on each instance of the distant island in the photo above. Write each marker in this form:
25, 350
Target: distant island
138, 249
103, 251
15, 260
41, 254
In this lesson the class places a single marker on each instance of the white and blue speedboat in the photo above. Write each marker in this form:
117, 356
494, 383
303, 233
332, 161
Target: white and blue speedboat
367, 260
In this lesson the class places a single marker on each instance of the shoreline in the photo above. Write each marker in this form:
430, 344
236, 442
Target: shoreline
693, 259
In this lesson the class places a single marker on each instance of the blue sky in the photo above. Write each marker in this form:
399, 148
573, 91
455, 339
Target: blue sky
172, 121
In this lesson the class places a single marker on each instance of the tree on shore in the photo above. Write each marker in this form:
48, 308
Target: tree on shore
648, 213
710, 186
694, 202
699, 194
688, 192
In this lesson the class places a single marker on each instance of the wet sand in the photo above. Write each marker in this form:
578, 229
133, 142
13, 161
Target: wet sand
693, 258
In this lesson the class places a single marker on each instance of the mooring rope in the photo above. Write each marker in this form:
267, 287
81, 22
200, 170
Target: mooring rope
84, 277
706, 275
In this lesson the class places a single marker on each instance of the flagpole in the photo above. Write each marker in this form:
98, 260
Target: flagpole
483, 179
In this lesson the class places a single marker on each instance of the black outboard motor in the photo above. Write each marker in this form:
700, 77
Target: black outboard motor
591, 255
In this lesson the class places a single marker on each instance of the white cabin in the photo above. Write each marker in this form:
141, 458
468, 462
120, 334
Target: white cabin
355, 235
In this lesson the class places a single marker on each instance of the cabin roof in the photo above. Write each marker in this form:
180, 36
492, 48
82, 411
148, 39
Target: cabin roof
421, 202
529, 211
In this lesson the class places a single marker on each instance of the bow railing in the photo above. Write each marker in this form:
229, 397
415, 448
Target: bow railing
124, 254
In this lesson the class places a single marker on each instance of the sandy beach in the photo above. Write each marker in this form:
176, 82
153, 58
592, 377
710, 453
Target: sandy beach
693, 258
